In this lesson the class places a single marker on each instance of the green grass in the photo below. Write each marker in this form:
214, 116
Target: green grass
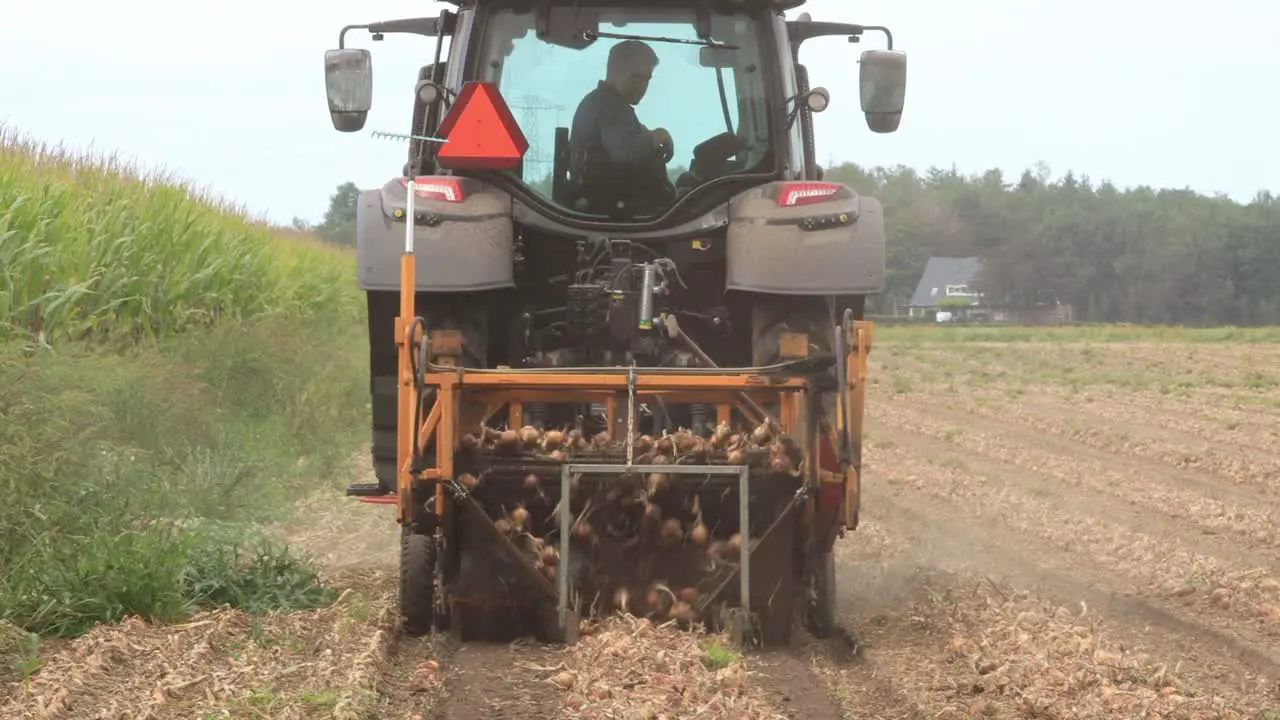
718, 656
172, 375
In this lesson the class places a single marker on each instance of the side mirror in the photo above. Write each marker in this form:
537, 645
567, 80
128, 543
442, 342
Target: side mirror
348, 81
882, 78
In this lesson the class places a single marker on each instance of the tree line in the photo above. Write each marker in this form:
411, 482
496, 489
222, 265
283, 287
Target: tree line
1140, 255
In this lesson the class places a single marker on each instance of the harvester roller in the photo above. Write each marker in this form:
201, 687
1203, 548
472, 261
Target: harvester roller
659, 536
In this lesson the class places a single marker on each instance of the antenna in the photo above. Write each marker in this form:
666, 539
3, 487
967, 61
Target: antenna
400, 136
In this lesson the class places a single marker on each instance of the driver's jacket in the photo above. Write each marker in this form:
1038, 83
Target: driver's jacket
608, 146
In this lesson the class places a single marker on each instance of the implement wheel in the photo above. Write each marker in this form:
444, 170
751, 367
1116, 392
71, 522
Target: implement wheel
820, 612
417, 583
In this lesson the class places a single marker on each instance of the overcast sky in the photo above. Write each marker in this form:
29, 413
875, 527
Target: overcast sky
231, 94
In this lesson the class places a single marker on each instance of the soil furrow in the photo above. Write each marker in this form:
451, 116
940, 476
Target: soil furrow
1132, 562
1187, 497
1005, 472
969, 544
1102, 429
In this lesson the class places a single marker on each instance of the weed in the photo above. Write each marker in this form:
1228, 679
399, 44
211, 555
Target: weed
718, 656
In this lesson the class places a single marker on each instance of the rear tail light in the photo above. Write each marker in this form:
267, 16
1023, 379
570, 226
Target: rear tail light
806, 193
437, 187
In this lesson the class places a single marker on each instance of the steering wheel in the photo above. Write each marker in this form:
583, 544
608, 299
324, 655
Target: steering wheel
716, 151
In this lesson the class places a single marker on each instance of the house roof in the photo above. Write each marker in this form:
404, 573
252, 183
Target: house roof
940, 272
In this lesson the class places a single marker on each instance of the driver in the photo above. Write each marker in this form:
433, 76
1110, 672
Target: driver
612, 156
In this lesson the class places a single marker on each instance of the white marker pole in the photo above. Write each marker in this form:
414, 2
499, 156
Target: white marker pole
412, 188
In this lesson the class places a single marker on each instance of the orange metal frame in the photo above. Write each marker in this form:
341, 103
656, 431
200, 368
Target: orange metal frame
495, 390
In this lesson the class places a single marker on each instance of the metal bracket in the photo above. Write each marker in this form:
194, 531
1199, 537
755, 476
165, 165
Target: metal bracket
631, 414
744, 517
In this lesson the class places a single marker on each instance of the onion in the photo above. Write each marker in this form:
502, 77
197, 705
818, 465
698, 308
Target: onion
652, 512
661, 460
503, 525
658, 482
654, 599
684, 441
735, 543
468, 481
557, 456
519, 517
470, 442
699, 533
722, 434
671, 530
736, 457
761, 435
644, 443
549, 556
529, 435
552, 440
681, 611
582, 529
509, 439
716, 550
531, 481
665, 444
600, 440
689, 595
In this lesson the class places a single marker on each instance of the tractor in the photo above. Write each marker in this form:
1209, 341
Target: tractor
617, 334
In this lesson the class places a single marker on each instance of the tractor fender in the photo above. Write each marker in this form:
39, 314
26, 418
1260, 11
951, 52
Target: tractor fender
461, 245
832, 247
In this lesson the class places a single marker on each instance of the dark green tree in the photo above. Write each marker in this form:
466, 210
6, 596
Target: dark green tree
339, 223
1140, 255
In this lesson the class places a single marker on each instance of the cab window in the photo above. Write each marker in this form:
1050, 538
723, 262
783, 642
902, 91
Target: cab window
695, 93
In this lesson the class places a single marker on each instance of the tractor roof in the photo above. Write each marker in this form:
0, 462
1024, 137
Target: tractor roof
776, 4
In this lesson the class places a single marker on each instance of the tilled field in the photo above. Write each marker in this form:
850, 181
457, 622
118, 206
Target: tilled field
1049, 531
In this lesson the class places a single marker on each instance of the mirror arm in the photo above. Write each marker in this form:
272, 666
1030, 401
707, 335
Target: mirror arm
440, 40
426, 27
888, 35
342, 34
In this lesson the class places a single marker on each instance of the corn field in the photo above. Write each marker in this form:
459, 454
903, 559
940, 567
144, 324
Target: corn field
92, 249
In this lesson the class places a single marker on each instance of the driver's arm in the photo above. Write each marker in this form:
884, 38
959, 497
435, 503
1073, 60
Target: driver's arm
627, 141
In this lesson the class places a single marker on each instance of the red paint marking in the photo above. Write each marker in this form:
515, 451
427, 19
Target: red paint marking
379, 500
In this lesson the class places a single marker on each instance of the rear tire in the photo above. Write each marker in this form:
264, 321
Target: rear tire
417, 583
468, 313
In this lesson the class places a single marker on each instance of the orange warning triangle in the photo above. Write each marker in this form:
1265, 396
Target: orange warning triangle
480, 132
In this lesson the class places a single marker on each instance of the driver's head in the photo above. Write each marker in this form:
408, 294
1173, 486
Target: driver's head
631, 64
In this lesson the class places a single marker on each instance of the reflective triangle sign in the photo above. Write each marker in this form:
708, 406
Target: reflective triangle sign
480, 132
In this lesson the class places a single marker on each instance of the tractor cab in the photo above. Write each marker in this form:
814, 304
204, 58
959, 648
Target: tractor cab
630, 111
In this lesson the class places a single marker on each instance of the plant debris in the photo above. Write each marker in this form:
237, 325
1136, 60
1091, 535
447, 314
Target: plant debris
627, 667
220, 663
